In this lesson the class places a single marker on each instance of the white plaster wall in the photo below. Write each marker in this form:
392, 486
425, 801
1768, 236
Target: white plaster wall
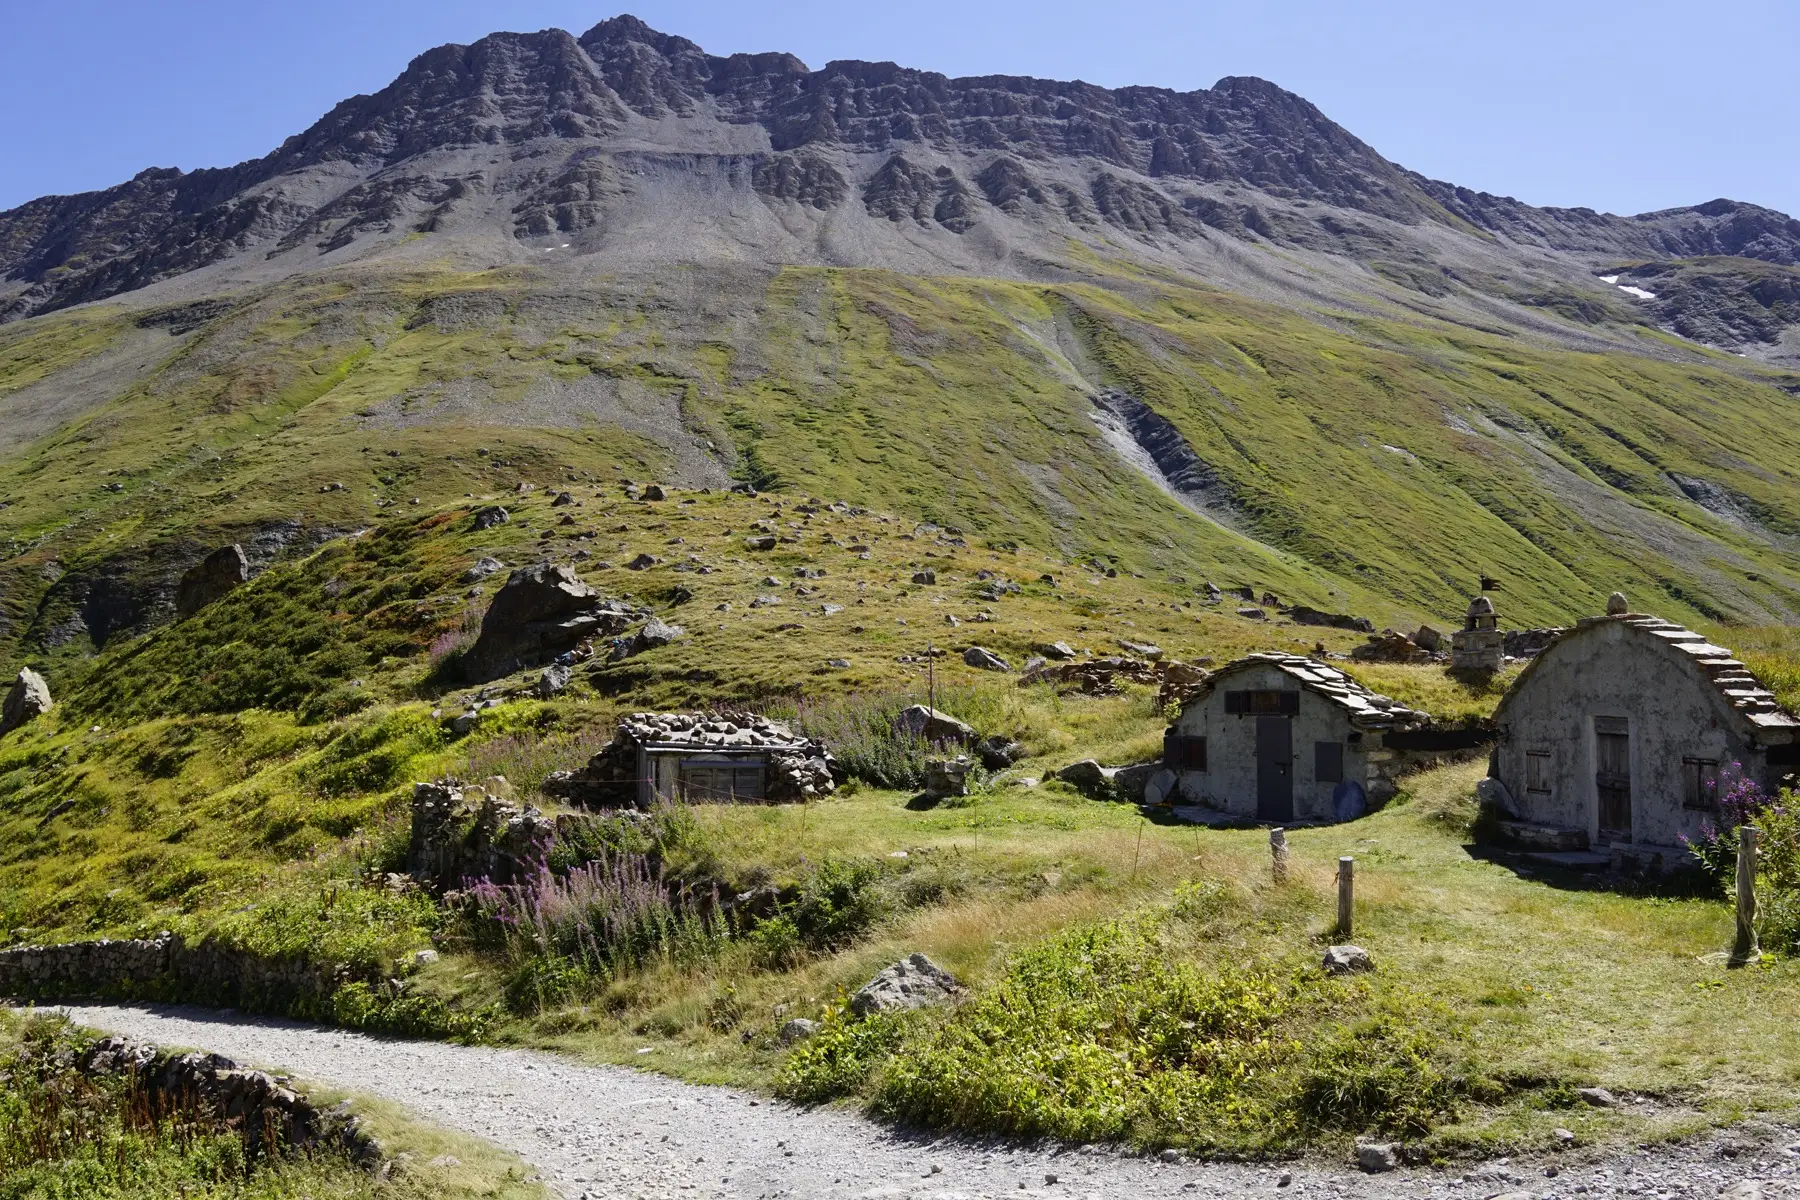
1229, 782
1613, 670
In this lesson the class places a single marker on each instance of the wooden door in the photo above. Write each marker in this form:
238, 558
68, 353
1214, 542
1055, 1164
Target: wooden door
1612, 777
1274, 769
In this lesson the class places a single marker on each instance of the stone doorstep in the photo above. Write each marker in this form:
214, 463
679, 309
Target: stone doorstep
1529, 836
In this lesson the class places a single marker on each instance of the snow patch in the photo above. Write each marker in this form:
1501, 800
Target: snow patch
1639, 292
1609, 279
1408, 455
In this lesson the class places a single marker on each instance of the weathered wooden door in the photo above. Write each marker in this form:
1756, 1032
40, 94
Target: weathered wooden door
1274, 769
1612, 777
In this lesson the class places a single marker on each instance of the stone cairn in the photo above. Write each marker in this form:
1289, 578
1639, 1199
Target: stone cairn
1479, 647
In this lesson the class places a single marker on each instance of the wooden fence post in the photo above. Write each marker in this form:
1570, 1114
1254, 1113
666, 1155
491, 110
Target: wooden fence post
1745, 949
1346, 893
1278, 854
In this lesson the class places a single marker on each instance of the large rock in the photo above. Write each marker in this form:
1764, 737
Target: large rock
913, 982
28, 699
930, 725
215, 576
1347, 960
984, 659
542, 611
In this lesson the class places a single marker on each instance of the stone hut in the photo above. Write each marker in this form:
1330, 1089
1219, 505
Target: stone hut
1280, 738
698, 758
1614, 738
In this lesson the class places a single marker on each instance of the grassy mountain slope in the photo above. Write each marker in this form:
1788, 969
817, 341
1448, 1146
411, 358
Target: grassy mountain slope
1363, 463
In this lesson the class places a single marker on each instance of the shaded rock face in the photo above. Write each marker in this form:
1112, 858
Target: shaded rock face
542, 611
213, 577
26, 700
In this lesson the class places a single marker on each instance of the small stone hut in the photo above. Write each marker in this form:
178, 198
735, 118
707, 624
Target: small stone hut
1614, 738
1280, 738
698, 758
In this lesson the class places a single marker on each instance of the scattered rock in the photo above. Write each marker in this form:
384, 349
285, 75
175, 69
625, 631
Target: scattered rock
926, 578
1427, 638
492, 515
1059, 651
655, 492
1087, 777
984, 659
1250, 612
1171, 1155
997, 753
762, 542
1564, 1137
482, 568
797, 1030
563, 500
1301, 614
424, 958
1376, 1157
1141, 649
1391, 646
1345, 960
1598, 1097
1160, 789
642, 562
930, 725
948, 776
913, 982
554, 679
213, 577
26, 700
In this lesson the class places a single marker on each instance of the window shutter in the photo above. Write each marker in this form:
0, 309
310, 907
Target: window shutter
1290, 704
1182, 753
1237, 702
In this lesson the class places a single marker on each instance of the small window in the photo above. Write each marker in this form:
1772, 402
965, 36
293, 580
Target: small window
1537, 771
1700, 780
1328, 762
1181, 753
1263, 703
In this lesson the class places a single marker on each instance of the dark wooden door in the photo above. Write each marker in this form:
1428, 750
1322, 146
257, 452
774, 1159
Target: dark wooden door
1612, 777
1274, 769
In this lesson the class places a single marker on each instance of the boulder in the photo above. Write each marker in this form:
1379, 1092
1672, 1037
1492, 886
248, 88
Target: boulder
1059, 651
215, 576
26, 700
642, 562
1597, 1097
542, 611
655, 492
1087, 777
1427, 638
797, 1030
1376, 1157
656, 632
913, 982
563, 500
1347, 960
1301, 614
482, 568
1141, 649
492, 515
1161, 788
984, 659
930, 725
1495, 797
1252, 613
927, 578
554, 679
998, 753
762, 542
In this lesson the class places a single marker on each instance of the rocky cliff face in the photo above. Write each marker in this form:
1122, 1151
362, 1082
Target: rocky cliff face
519, 140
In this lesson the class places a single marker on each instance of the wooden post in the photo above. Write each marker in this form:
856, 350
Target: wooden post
1346, 893
1138, 853
1278, 854
1745, 950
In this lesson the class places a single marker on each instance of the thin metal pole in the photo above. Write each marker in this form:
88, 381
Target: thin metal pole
1745, 949
1140, 846
930, 675
1346, 893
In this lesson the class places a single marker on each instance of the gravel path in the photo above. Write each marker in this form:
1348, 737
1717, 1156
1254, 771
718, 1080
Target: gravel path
610, 1133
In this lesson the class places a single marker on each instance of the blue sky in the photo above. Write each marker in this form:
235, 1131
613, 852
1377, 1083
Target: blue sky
1625, 107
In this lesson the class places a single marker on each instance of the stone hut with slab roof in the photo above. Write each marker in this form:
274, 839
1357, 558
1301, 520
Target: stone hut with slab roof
1613, 740
1282, 739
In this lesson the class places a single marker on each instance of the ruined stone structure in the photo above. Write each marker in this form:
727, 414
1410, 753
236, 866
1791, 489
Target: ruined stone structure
1479, 647
1614, 738
462, 832
1279, 738
699, 759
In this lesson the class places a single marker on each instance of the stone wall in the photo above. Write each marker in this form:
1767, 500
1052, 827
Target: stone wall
164, 968
270, 1115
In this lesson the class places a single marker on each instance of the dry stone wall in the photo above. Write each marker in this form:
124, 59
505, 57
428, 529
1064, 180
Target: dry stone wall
164, 968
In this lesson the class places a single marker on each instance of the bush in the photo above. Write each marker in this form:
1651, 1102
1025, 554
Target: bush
839, 1059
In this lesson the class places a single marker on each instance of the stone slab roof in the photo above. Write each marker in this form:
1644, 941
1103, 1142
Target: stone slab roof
710, 733
1367, 709
1733, 680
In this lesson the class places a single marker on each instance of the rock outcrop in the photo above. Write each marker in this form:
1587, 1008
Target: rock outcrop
920, 723
540, 612
213, 577
26, 700
913, 982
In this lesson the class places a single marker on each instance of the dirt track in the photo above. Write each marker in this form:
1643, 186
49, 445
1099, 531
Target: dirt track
608, 1132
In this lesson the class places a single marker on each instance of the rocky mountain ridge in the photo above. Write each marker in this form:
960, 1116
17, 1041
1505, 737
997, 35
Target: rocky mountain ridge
518, 139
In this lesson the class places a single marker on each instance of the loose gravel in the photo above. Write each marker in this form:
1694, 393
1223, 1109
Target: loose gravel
610, 1133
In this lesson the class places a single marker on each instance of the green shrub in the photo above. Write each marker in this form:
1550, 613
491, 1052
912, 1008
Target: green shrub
839, 1059
380, 1009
